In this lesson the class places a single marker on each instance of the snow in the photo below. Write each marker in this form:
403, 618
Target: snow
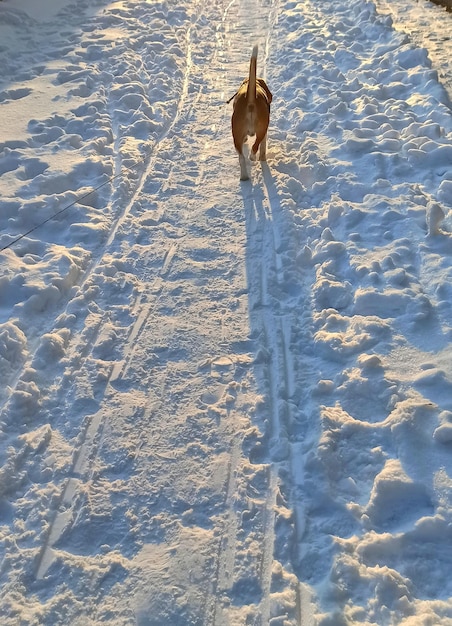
224, 402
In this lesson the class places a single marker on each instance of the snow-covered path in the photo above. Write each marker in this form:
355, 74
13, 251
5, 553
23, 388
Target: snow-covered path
223, 402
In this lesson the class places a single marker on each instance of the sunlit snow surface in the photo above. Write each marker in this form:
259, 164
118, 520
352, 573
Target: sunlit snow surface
225, 403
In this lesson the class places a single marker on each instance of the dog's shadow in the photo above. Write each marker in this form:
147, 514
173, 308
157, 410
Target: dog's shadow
261, 202
264, 238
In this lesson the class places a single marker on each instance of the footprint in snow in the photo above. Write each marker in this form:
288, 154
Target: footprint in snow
222, 371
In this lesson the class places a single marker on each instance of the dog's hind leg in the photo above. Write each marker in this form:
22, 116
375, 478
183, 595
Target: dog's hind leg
243, 170
263, 149
261, 145
239, 147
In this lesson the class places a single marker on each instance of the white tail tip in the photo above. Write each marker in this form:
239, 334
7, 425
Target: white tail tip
254, 53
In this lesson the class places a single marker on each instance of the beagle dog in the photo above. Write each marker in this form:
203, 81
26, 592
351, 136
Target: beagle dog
251, 116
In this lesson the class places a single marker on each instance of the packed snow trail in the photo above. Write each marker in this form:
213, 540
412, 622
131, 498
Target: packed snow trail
226, 403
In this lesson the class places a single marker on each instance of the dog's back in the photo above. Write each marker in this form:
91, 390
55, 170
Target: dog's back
251, 113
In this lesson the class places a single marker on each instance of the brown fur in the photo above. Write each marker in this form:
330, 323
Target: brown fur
251, 116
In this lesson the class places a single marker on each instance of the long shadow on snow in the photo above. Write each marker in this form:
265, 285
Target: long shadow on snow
280, 322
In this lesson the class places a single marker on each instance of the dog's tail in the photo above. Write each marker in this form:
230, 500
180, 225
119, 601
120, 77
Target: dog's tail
251, 90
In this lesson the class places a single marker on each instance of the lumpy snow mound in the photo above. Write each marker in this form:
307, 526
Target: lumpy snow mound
225, 403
